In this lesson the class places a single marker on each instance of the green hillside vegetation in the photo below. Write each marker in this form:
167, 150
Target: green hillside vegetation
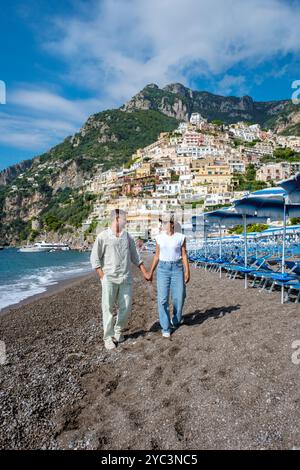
132, 130
239, 229
292, 130
247, 181
285, 154
67, 208
283, 117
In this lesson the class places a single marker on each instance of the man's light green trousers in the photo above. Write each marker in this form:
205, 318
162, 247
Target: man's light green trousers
120, 294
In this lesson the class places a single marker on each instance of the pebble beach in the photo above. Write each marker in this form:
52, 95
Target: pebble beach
225, 379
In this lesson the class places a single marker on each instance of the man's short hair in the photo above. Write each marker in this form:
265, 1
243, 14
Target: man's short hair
117, 213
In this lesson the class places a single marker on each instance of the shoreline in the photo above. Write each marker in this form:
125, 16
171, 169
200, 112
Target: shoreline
60, 286
49, 290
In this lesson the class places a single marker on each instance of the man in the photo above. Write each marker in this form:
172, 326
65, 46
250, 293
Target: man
113, 252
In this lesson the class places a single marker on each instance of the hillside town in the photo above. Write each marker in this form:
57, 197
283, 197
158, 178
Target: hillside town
197, 167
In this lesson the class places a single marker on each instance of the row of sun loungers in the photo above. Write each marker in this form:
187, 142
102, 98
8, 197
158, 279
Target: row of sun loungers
264, 272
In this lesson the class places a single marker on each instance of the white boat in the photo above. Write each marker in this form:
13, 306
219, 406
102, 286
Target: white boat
43, 246
56, 246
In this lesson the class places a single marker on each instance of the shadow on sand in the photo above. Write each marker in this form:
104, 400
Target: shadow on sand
199, 316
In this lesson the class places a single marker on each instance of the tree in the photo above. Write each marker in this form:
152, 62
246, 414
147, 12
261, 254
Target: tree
217, 122
248, 182
239, 229
285, 154
52, 222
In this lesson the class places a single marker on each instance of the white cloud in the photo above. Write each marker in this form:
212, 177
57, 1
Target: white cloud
32, 133
113, 48
36, 119
49, 103
118, 46
233, 85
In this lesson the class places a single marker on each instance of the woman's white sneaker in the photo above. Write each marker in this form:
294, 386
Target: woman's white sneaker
166, 334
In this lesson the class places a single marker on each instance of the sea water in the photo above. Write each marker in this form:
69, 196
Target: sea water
25, 274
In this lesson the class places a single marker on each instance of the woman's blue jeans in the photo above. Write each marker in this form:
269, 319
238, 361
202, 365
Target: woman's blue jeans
170, 279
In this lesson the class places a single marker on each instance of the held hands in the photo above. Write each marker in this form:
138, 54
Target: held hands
148, 276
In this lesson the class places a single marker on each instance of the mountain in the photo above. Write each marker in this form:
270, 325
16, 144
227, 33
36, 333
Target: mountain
178, 101
47, 189
10, 173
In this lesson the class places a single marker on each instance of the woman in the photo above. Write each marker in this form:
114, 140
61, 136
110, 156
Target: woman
173, 272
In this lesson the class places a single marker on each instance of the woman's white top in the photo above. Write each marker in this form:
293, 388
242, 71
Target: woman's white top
170, 246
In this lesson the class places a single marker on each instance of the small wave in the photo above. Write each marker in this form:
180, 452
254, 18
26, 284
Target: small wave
37, 282
15, 295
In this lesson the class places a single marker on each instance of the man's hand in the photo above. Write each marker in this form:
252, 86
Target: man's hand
186, 277
144, 272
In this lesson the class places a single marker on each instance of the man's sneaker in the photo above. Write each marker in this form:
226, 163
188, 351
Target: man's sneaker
166, 334
109, 344
119, 338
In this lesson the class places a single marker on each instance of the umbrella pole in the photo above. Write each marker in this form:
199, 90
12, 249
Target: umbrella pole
283, 250
245, 249
256, 247
220, 249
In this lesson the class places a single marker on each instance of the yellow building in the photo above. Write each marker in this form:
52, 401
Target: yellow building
216, 174
144, 170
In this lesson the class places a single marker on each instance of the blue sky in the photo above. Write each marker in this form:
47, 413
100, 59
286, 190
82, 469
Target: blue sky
64, 60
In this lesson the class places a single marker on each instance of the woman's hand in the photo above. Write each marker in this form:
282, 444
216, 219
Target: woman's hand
186, 277
100, 273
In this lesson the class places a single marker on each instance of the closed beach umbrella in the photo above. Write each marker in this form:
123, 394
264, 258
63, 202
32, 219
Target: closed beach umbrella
199, 224
228, 218
274, 208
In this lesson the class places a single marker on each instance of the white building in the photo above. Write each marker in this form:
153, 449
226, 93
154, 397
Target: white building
236, 165
197, 119
216, 199
198, 152
183, 126
168, 189
277, 171
244, 132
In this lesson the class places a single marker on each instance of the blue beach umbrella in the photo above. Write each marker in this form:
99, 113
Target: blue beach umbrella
268, 192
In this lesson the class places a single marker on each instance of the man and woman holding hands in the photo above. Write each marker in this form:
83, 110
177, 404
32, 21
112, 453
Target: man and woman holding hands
113, 253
